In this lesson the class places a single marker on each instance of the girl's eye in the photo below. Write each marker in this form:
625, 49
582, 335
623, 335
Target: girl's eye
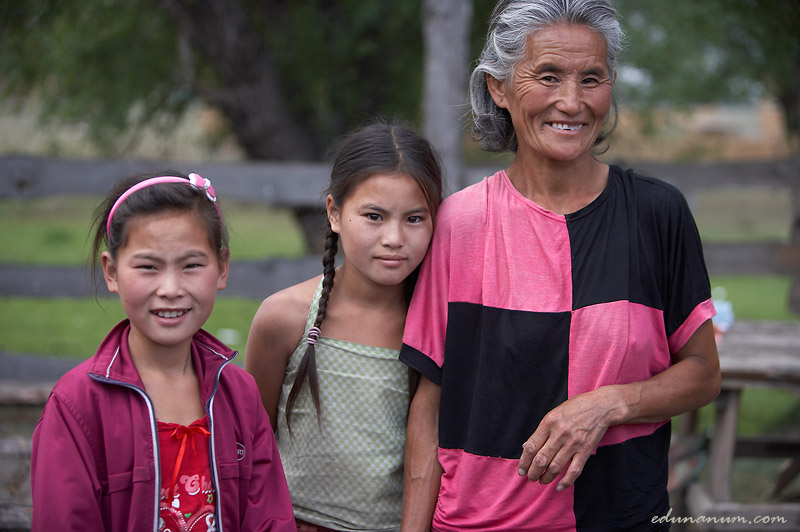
375, 217
146, 267
415, 219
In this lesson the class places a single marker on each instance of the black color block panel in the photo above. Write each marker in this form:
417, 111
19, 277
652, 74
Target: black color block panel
639, 468
503, 372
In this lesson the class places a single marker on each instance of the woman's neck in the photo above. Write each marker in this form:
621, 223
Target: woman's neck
559, 187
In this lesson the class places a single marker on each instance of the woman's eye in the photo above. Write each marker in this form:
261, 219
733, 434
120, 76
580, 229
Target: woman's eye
591, 82
548, 79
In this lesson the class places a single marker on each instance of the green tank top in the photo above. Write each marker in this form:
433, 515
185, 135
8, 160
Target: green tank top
346, 473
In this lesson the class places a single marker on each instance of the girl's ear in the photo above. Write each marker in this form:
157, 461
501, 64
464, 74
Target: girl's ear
224, 268
333, 213
109, 272
497, 89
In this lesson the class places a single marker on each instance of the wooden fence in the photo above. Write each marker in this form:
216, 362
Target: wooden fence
299, 187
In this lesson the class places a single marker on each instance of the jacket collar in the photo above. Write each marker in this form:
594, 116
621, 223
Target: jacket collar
113, 361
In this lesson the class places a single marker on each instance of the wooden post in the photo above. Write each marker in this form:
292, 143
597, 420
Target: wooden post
794, 242
446, 30
723, 445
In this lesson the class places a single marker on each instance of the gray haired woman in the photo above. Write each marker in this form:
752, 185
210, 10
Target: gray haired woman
563, 313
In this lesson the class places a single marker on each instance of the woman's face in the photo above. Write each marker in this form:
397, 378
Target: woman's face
559, 94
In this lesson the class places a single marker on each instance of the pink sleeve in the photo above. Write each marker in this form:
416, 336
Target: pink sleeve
699, 315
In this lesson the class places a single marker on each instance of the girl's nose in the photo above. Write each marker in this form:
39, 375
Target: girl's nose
392, 235
169, 285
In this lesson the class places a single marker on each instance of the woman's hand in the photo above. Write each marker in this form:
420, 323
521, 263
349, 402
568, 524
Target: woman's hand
569, 434
567, 437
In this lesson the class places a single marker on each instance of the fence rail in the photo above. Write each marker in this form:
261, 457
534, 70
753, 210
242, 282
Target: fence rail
300, 186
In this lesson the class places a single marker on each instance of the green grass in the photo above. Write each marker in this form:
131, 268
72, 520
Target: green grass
55, 231
45, 231
73, 328
758, 297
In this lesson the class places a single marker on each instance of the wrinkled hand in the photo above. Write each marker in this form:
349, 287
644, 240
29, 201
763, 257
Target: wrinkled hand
566, 438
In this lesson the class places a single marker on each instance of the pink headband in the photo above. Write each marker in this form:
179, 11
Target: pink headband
194, 180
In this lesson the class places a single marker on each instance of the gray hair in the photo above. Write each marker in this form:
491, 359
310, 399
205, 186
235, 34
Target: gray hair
511, 23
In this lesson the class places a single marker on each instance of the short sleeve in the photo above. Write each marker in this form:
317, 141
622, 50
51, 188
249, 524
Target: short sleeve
688, 297
426, 324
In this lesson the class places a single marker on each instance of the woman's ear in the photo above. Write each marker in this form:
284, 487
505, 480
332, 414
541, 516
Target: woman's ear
333, 213
109, 272
497, 90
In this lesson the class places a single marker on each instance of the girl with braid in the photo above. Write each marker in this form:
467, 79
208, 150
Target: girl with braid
325, 352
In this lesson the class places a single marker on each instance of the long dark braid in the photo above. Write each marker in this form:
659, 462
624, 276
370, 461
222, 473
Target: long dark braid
308, 364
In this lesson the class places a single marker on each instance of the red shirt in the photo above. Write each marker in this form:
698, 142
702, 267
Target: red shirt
187, 495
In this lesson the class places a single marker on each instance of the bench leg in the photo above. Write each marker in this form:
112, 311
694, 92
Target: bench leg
723, 444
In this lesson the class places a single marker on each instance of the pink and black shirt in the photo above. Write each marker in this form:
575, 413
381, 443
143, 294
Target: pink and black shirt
517, 309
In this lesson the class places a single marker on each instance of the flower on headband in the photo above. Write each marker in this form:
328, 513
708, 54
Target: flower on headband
199, 181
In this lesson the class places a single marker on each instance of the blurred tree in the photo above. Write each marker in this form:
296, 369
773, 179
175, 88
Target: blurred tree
289, 75
688, 51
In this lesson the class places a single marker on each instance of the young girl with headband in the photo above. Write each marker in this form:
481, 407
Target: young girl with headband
158, 431
325, 352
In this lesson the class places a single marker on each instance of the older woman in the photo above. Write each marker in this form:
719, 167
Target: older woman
563, 313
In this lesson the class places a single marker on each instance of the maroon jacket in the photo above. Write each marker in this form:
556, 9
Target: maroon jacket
95, 463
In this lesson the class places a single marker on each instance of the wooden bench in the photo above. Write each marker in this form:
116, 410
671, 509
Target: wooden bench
752, 354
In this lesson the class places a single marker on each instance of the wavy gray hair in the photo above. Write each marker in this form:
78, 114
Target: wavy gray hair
510, 25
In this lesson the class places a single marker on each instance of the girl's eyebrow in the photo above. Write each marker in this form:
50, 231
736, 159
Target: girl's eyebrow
373, 207
145, 255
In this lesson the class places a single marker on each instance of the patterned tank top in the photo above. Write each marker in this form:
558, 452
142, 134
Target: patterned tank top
346, 473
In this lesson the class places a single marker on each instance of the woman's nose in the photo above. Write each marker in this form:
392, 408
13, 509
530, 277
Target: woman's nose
569, 97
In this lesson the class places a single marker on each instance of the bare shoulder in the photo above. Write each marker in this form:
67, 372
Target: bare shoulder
282, 316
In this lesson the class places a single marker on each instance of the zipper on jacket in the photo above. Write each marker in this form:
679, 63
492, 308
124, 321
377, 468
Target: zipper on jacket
154, 435
212, 451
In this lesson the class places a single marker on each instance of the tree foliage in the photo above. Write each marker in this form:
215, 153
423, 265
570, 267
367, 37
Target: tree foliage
90, 61
714, 50
335, 62
292, 75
